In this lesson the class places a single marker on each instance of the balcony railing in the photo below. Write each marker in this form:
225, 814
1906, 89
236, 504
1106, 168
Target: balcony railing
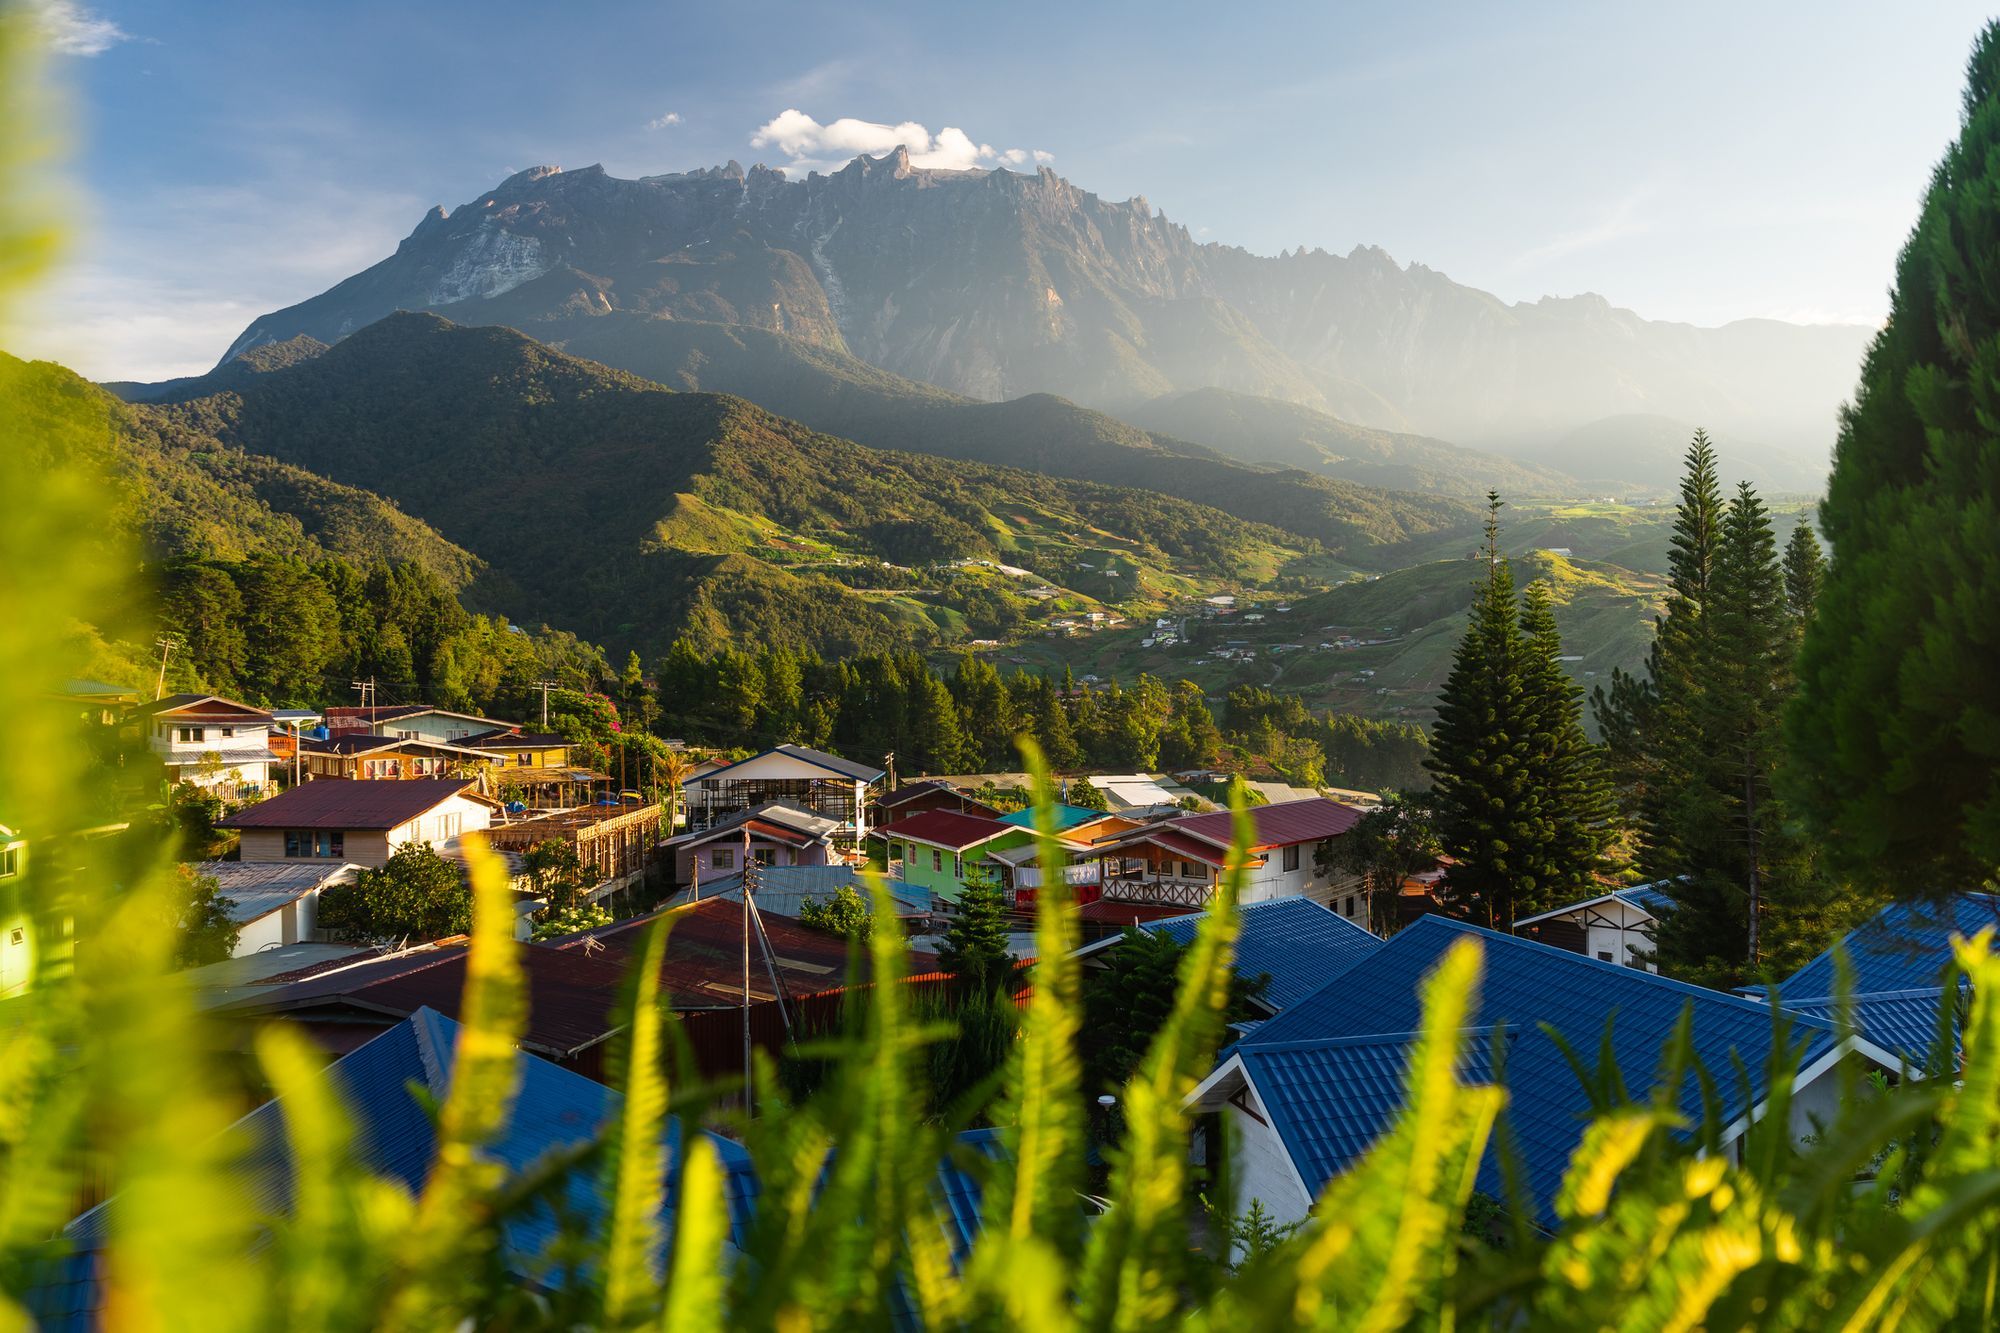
1161, 892
1030, 876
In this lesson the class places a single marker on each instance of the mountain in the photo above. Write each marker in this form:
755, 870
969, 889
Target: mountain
1273, 433
628, 513
176, 492
997, 285
1645, 453
842, 395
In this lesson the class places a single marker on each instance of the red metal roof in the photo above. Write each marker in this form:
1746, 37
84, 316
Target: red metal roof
1180, 844
1277, 825
1108, 911
343, 803
946, 828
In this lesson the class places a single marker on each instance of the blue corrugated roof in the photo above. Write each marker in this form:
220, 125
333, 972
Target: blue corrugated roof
1330, 1100
1067, 816
1648, 898
1905, 946
1901, 1022
1296, 942
1524, 984
395, 1138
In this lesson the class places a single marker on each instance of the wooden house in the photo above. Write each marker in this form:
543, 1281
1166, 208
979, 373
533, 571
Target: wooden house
1178, 862
364, 822
776, 833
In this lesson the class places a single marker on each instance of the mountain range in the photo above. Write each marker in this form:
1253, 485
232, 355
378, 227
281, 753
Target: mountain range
994, 285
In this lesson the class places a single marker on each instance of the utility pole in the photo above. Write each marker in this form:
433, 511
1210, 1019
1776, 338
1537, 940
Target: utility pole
366, 689
889, 762
544, 686
166, 643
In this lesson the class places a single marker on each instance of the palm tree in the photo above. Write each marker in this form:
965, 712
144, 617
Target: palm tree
676, 768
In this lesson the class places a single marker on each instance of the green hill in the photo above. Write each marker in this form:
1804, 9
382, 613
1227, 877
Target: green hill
1291, 435
629, 514
179, 493
834, 392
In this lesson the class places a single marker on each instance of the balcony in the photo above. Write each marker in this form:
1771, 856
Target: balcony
1030, 876
1160, 891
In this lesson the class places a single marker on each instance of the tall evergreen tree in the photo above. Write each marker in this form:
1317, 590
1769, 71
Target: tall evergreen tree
1579, 816
1895, 735
975, 942
1478, 755
1805, 572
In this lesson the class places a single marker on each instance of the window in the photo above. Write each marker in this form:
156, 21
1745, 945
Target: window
722, 858
10, 862
318, 843
765, 856
524, 760
791, 856
958, 867
1187, 871
17, 936
190, 735
1292, 857
1604, 955
229, 733
937, 859
1349, 912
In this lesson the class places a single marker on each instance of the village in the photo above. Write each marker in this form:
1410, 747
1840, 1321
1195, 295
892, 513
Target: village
744, 855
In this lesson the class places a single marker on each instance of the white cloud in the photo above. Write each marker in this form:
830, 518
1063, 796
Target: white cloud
667, 121
811, 146
74, 30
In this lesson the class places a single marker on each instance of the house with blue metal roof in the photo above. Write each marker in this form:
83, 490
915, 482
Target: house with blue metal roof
1616, 927
1307, 1092
1296, 944
395, 1138
1898, 959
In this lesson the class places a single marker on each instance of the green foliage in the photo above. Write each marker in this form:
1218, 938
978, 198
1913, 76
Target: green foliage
975, 941
194, 812
844, 914
417, 895
553, 923
1389, 844
1519, 803
1896, 731
1805, 573
203, 930
1128, 998
1084, 795
1312, 749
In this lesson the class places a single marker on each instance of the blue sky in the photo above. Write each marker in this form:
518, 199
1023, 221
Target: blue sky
1693, 162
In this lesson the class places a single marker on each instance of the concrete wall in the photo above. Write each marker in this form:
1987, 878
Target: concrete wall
362, 847
1263, 1169
293, 922
705, 857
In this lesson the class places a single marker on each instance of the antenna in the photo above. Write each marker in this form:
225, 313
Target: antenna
166, 643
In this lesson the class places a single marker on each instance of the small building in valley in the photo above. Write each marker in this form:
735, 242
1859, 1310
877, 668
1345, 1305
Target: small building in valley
273, 903
212, 742
363, 822
1614, 927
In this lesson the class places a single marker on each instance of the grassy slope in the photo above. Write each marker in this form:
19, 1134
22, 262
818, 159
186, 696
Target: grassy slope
627, 513
839, 394
181, 493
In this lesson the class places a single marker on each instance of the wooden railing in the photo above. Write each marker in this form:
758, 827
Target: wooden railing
1161, 892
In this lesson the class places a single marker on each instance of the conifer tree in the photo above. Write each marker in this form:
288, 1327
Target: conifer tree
1478, 755
975, 943
1895, 736
1579, 815
1805, 571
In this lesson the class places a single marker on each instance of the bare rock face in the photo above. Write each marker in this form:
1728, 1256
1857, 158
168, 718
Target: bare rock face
996, 284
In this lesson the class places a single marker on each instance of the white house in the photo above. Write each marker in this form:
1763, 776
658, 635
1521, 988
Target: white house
1614, 927
1177, 862
418, 722
212, 742
273, 903
1307, 1093
337, 820
802, 777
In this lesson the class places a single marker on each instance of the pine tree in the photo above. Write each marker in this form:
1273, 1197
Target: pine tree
1478, 756
1805, 571
975, 943
1579, 815
1895, 735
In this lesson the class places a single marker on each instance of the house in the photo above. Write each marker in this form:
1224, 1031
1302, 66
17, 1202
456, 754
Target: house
213, 742
929, 794
1135, 791
1616, 927
822, 783
1307, 1092
511, 747
17, 931
613, 840
362, 822
939, 850
273, 902
96, 701
366, 756
776, 833
1293, 944
388, 1086
1177, 862
413, 721
1898, 958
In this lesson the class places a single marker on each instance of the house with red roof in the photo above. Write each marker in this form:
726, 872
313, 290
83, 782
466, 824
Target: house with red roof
1178, 862
940, 850
337, 820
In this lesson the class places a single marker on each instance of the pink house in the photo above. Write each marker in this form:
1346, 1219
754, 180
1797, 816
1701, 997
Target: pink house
776, 833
